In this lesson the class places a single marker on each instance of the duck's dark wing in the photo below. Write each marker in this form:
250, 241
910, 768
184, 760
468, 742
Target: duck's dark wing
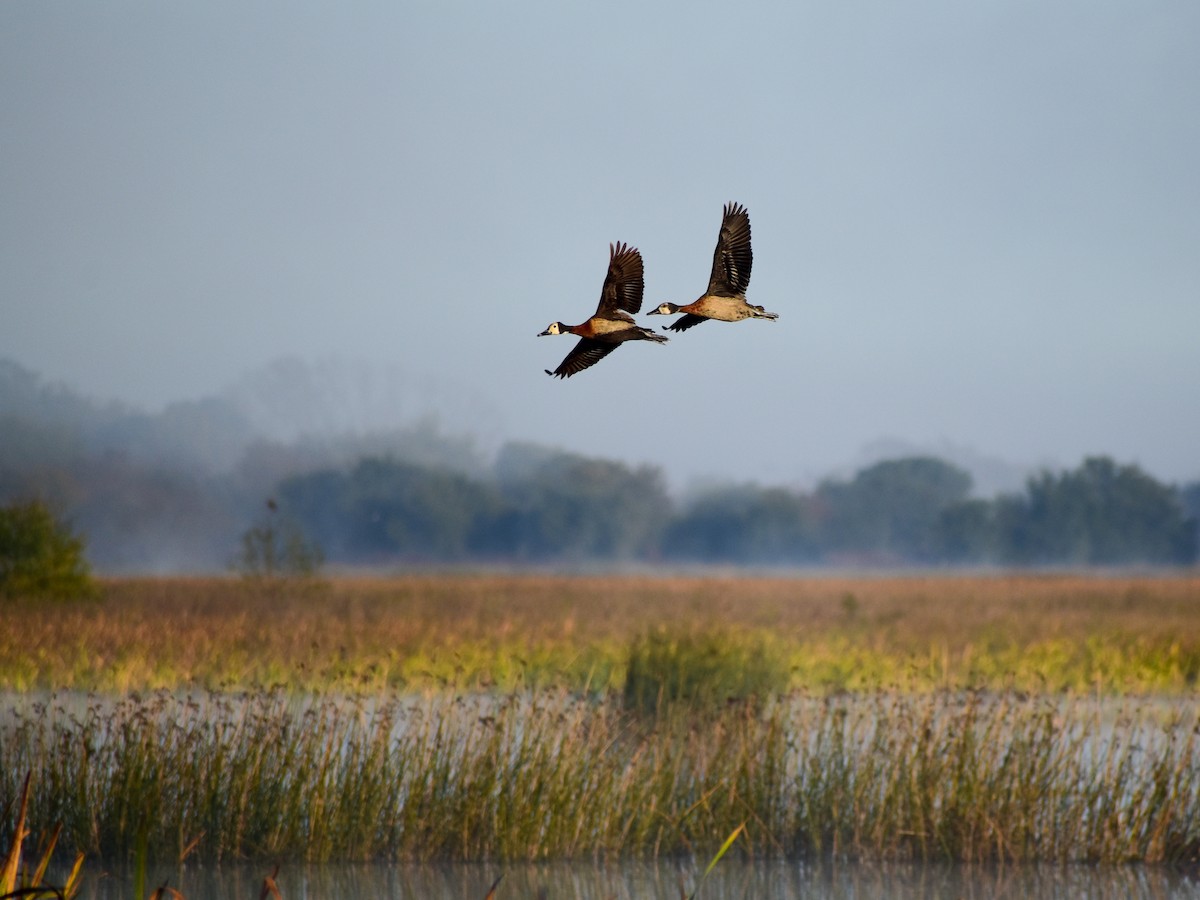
683, 323
586, 353
623, 285
733, 258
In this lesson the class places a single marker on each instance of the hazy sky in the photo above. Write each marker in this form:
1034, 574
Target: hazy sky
979, 222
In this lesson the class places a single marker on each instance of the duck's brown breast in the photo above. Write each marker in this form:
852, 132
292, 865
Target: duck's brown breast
598, 326
724, 309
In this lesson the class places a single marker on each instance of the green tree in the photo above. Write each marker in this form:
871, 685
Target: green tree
966, 532
892, 509
1101, 513
1189, 496
40, 556
320, 502
386, 509
561, 505
415, 512
744, 524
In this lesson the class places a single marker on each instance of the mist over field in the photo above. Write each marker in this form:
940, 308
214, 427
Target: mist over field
375, 468
171, 490
337, 403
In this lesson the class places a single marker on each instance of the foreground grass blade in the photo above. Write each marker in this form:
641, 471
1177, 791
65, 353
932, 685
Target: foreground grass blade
270, 890
8, 875
712, 863
71, 888
40, 872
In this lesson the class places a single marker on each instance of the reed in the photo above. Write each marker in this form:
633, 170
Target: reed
33, 885
967, 776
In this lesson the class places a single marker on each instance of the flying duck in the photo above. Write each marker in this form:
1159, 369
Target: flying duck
613, 323
725, 298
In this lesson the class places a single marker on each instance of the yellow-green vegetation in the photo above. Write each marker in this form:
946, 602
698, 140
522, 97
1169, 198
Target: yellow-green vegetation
1033, 633
1050, 718
700, 670
39, 556
946, 776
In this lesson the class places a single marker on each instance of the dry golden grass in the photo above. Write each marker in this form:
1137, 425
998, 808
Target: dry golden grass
877, 754
842, 632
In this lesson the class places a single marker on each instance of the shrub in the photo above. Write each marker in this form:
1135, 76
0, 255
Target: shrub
701, 670
40, 556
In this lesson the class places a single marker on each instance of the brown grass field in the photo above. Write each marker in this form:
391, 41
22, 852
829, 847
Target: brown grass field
1119, 634
522, 717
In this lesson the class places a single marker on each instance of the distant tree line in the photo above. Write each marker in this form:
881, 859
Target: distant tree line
182, 490
542, 506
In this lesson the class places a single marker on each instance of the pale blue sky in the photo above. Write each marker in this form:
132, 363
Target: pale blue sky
979, 222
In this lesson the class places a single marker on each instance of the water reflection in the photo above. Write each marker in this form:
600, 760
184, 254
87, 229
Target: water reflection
660, 881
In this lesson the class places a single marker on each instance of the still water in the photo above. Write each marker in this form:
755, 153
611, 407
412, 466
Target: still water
658, 881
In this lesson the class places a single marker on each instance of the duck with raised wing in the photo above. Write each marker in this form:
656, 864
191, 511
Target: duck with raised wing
725, 299
613, 324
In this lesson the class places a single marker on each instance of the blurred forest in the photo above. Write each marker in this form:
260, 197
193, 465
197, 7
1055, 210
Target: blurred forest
177, 491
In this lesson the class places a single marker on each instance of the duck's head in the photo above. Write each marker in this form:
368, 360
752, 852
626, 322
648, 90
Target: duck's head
554, 328
664, 309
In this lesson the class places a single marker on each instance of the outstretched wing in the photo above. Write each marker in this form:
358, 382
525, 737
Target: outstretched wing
683, 323
586, 353
733, 258
623, 285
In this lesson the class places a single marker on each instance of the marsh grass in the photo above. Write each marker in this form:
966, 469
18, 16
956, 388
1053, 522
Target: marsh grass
700, 669
962, 776
1035, 633
536, 718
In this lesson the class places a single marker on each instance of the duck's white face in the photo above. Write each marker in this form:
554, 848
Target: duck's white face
664, 309
554, 328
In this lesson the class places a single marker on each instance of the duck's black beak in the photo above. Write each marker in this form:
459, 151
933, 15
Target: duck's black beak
654, 312
543, 333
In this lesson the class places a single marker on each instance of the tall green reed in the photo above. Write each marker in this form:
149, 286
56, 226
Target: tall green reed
946, 776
